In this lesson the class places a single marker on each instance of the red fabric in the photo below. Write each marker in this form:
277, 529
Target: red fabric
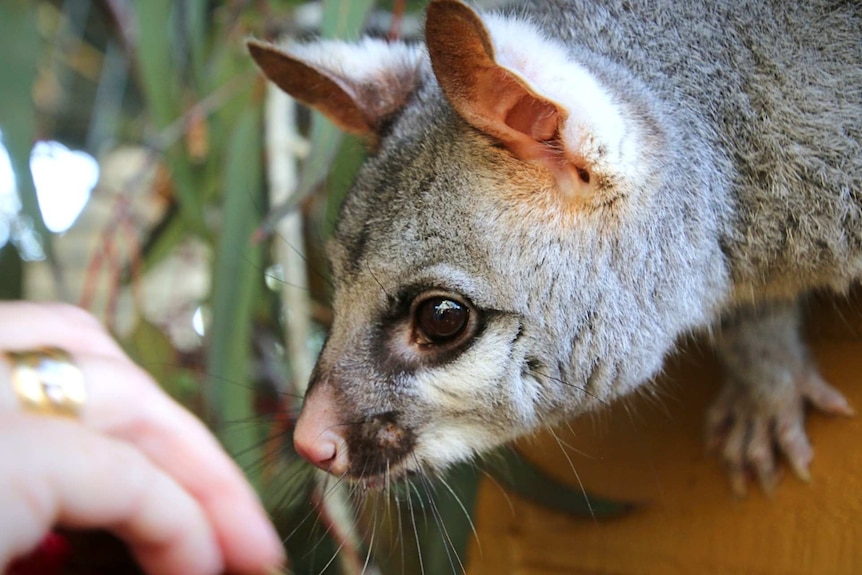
48, 558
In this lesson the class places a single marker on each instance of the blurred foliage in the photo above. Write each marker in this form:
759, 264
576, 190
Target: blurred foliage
195, 103
18, 68
11, 279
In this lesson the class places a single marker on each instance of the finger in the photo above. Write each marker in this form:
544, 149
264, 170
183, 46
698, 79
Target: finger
55, 471
179, 443
28, 325
125, 403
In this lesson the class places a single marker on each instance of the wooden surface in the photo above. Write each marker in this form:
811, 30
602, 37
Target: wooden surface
650, 450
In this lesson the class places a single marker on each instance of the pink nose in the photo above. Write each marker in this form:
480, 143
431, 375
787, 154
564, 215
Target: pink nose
318, 435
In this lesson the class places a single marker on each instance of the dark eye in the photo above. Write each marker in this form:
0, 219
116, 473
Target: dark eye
441, 319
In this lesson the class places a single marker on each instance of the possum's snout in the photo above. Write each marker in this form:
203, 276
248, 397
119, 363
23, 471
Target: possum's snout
360, 447
319, 434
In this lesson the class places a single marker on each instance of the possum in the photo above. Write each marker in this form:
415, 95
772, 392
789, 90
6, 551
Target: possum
559, 191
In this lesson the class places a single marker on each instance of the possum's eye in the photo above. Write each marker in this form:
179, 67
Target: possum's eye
439, 319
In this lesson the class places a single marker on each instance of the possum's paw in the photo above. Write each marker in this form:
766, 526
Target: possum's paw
753, 425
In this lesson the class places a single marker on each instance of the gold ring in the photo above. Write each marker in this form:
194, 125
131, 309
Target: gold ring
47, 381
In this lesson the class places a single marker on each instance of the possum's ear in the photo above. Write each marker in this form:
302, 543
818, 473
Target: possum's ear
357, 86
490, 97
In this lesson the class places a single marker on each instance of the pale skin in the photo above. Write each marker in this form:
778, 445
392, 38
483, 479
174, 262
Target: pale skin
134, 462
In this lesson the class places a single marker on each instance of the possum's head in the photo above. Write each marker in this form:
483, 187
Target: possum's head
494, 270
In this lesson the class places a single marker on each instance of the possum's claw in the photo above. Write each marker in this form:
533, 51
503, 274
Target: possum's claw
752, 430
759, 415
825, 397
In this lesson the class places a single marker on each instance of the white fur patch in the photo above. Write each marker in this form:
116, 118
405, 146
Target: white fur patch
469, 378
472, 382
442, 445
595, 121
362, 61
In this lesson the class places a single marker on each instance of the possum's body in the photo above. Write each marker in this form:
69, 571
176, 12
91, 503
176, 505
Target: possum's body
769, 97
557, 195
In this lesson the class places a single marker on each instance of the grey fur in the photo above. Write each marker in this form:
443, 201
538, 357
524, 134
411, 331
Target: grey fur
752, 116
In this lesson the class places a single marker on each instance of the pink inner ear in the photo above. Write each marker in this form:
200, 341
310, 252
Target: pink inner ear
495, 100
502, 106
490, 97
535, 118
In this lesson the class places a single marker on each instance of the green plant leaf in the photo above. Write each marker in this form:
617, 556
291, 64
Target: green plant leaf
325, 139
155, 62
310, 546
351, 155
236, 283
11, 273
18, 67
524, 479
161, 88
343, 19
161, 241
195, 20
151, 348
446, 537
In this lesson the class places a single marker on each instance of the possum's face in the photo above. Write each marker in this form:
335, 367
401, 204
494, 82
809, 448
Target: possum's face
434, 353
501, 261
467, 310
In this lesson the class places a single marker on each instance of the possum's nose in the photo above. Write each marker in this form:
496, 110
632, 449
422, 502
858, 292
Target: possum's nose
318, 435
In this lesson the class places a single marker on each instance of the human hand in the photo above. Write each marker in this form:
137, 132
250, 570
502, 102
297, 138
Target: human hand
133, 461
